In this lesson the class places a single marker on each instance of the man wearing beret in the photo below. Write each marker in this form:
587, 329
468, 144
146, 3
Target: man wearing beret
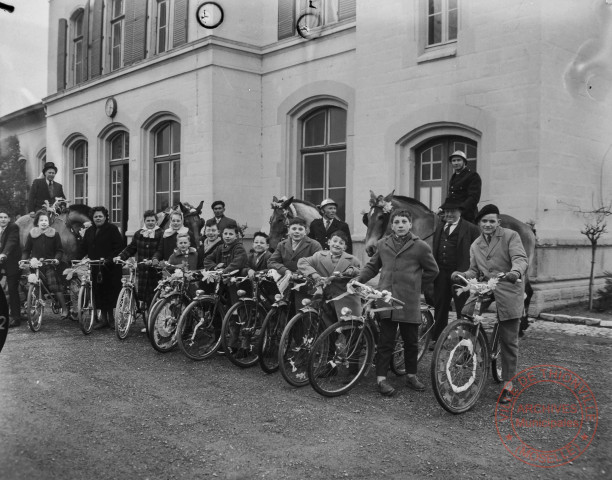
218, 208
499, 251
321, 229
464, 186
451, 248
45, 188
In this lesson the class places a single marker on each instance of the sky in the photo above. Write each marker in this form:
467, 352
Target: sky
23, 54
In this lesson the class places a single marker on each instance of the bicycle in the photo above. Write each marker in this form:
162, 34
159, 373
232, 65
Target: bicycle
86, 304
165, 313
198, 331
242, 326
345, 351
460, 361
38, 293
128, 307
299, 335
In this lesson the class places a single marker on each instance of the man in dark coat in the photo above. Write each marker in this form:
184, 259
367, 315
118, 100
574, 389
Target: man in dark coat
464, 186
218, 208
10, 254
322, 228
44, 189
451, 249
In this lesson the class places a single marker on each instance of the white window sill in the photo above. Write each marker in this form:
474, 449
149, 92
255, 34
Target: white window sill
438, 52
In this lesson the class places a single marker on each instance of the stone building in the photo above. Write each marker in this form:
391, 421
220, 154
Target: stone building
145, 105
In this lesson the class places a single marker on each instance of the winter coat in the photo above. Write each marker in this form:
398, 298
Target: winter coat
403, 272
188, 261
464, 188
232, 256
256, 263
284, 258
43, 245
168, 242
505, 253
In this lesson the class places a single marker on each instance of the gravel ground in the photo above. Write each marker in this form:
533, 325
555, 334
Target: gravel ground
94, 407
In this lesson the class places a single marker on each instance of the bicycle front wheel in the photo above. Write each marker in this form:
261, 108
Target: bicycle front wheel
87, 309
295, 346
164, 319
124, 312
496, 356
240, 332
425, 330
459, 367
199, 328
34, 303
340, 357
271, 331
398, 362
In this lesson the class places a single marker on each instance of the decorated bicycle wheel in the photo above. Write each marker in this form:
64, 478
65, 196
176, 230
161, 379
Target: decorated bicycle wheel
340, 357
164, 320
35, 307
459, 367
199, 328
240, 332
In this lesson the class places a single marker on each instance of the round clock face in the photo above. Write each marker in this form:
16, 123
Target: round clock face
111, 107
209, 15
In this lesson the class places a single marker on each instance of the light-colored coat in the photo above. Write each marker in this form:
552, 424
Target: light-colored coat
402, 272
504, 254
321, 264
285, 258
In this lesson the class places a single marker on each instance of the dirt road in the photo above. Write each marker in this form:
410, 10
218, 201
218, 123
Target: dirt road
93, 407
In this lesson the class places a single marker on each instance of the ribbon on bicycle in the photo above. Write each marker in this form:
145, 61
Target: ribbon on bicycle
470, 346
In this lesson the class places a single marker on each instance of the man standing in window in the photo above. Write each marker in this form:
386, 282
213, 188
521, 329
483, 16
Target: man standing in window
464, 186
218, 208
321, 229
44, 189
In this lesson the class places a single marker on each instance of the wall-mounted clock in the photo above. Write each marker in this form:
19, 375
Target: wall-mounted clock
209, 15
110, 107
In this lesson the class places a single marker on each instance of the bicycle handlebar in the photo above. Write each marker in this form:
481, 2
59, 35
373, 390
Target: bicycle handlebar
43, 261
370, 293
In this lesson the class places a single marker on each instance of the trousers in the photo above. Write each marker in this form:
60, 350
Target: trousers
386, 345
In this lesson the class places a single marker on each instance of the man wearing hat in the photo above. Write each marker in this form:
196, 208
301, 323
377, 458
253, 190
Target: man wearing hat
451, 248
45, 188
464, 186
322, 228
497, 251
218, 208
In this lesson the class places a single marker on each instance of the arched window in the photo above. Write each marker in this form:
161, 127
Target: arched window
433, 170
79, 161
323, 157
167, 160
119, 152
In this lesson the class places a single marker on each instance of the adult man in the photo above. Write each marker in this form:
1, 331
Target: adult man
322, 228
218, 208
500, 251
45, 188
451, 248
464, 186
10, 254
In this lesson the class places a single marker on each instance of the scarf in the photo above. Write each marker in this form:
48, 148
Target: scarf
37, 232
149, 233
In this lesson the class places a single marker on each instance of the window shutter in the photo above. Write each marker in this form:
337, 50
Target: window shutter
134, 45
85, 40
61, 54
346, 9
286, 18
180, 23
95, 69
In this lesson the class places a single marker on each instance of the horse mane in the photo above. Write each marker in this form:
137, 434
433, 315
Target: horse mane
80, 208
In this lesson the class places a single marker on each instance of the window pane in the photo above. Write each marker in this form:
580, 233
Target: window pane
452, 25
162, 27
436, 198
337, 170
162, 144
436, 171
435, 6
79, 191
78, 26
79, 152
176, 176
337, 127
313, 171
161, 202
162, 177
339, 196
426, 171
424, 196
435, 30
452, 4
117, 8
117, 147
176, 137
313, 196
126, 152
314, 130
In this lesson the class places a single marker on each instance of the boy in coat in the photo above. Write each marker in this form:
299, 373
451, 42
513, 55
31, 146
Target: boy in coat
500, 251
406, 264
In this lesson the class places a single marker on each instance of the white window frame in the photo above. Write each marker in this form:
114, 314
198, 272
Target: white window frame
153, 27
445, 27
116, 45
80, 174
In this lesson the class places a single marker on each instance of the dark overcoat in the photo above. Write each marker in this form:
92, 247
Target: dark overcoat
256, 263
39, 192
105, 242
320, 234
464, 188
46, 245
505, 253
402, 272
233, 256
10, 246
143, 248
285, 258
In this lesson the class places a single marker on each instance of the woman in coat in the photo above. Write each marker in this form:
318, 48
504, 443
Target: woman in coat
44, 243
103, 240
406, 264
143, 246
